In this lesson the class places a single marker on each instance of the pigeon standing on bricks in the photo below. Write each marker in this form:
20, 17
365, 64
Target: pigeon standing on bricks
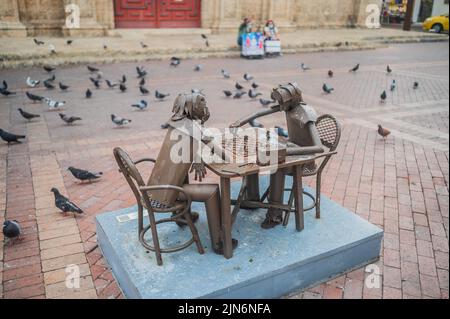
32, 83
38, 42
160, 96
142, 105
330, 73
355, 68
227, 93
48, 85
54, 105
383, 96
238, 95
84, 175
119, 121
388, 70
248, 77
393, 85
49, 69
225, 74
122, 87
26, 115
88, 93
11, 229
253, 94
304, 67
174, 61
34, 98
327, 89
383, 132
63, 87
265, 102
69, 119
95, 82
143, 90
10, 138
198, 68
64, 204
416, 85
92, 69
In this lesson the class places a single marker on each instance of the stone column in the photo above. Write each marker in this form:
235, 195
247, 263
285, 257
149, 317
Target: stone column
282, 12
10, 24
228, 15
89, 25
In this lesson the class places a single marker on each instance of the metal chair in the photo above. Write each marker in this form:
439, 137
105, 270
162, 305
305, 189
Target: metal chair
180, 209
330, 134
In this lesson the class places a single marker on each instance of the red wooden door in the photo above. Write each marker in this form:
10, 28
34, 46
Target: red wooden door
157, 13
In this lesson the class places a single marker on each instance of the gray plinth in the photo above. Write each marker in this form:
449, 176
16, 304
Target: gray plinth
267, 263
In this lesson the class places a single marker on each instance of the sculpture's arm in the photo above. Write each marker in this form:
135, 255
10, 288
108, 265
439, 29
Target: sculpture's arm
315, 148
256, 115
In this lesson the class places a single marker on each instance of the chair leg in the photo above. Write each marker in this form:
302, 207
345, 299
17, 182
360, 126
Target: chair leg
194, 232
318, 191
140, 219
154, 229
288, 212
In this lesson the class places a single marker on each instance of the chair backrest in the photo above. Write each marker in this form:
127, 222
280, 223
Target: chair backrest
329, 131
130, 171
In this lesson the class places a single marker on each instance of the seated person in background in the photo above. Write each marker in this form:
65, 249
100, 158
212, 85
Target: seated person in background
271, 31
244, 28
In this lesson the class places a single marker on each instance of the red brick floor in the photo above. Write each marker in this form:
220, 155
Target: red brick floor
400, 184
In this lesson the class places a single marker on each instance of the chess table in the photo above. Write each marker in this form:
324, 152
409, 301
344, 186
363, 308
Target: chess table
230, 169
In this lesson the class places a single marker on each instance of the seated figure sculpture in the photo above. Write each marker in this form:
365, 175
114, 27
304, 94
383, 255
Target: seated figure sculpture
303, 140
189, 114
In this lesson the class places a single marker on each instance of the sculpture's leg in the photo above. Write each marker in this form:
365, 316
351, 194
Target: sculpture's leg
209, 194
274, 216
252, 190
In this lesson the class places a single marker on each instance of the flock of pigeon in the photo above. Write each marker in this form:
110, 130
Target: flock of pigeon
12, 229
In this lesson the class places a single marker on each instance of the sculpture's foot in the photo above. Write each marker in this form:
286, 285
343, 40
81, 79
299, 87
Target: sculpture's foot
271, 222
219, 251
194, 217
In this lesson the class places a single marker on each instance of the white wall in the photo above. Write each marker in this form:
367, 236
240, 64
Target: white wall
439, 7
416, 11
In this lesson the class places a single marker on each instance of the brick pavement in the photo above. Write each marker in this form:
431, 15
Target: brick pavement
400, 185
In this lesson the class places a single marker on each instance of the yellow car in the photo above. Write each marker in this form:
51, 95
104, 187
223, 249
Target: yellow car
436, 24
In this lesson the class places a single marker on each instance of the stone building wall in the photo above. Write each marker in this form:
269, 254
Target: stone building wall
47, 17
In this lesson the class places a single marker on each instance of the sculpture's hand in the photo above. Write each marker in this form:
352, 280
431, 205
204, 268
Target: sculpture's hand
200, 171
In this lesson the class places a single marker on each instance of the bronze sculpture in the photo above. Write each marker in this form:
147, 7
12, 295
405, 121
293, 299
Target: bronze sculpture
190, 113
303, 140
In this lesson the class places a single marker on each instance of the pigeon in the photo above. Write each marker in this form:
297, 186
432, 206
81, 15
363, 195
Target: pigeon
388, 69
383, 96
95, 82
84, 175
239, 94
143, 45
327, 89
142, 82
393, 85
26, 115
281, 132
416, 85
265, 102
255, 86
225, 74
49, 69
54, 105
205, 37
143, 90
7, 93
92, 69
175, 61
10, 138
105, 47
383, 132
38, 42
88, 94
34, 98
330, 73
198, 68
64, 204
197, 91
52, 79
255, 123
69, 120
305, 67
227, 93
160, 96
119, 121
339, 44
165, 126
48, 85
63, 87
69, 42
32, 83
11, 229
239, 86
52, 49
4, 86
248, 77
110, 84
253, 94
123, 80
122, 87
141, 72
355, 68
142, 105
